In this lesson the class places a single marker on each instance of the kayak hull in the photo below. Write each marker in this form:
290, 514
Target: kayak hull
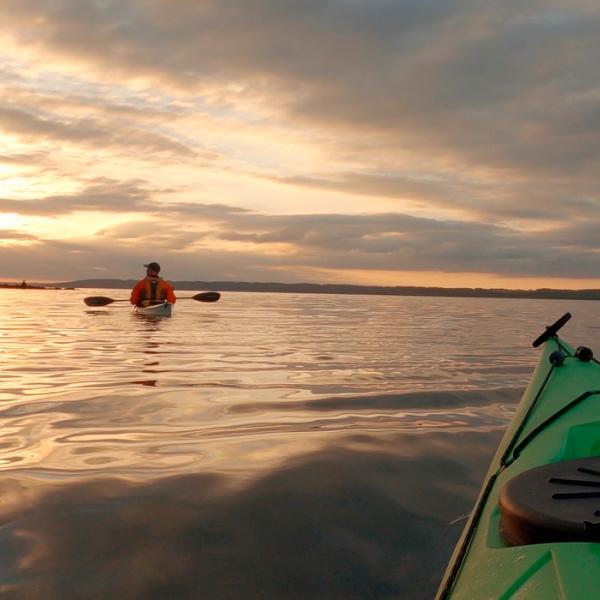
557, 420
156, 310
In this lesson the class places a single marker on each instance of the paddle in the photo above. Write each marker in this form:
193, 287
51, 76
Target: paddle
104, 301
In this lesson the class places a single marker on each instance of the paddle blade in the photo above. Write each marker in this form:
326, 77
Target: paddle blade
98, 300
207, 297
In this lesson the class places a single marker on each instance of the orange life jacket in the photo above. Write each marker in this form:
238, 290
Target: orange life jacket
154, 291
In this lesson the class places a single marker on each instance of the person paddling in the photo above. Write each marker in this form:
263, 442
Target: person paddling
152, 289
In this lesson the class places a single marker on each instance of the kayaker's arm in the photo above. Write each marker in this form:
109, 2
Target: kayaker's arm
170, 293
136, 293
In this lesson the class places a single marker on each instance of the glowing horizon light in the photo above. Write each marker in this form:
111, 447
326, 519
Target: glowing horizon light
10, 220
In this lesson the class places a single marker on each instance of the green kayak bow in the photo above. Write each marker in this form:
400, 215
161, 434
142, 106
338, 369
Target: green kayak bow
534, 532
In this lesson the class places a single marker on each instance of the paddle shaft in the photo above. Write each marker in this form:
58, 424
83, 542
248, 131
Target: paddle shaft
105, 301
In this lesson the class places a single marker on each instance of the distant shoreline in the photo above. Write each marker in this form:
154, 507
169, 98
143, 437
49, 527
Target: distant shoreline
32, 286
332, 288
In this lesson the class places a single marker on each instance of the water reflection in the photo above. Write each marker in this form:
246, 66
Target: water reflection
149, 326
267, 446
358, 521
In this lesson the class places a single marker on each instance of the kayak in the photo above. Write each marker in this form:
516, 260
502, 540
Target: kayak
155, 310
534, 532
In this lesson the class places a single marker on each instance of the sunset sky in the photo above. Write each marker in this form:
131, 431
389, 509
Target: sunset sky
393, 142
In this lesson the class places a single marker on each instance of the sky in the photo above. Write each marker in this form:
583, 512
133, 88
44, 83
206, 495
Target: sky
378, 142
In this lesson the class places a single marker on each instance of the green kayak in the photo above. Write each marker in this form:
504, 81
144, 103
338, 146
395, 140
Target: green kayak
534, 532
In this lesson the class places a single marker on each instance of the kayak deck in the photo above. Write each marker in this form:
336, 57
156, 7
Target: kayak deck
155, 310
557, 420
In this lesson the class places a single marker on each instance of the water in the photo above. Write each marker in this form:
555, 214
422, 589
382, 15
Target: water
267, 446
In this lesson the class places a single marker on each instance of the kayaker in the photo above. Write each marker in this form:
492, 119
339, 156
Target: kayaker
152, 289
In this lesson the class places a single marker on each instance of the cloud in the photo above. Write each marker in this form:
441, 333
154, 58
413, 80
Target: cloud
9, 234
100, 195
402, 242
87, 132
486, 84
23, 158
219, 242
444, 110
481, 199
395, 185
113, 196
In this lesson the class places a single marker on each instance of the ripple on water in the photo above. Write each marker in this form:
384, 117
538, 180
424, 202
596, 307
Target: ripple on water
267, 365
273, 433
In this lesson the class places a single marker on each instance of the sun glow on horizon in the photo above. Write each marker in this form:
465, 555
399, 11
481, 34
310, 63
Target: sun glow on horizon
454, 280
10, 220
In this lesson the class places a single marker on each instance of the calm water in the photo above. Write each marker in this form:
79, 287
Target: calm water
268, 446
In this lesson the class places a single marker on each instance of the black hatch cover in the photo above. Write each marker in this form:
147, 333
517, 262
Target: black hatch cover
559, 502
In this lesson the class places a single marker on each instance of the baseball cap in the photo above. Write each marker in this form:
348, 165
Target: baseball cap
153, 266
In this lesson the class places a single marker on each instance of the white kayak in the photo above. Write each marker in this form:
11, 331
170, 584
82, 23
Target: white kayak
155, 310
